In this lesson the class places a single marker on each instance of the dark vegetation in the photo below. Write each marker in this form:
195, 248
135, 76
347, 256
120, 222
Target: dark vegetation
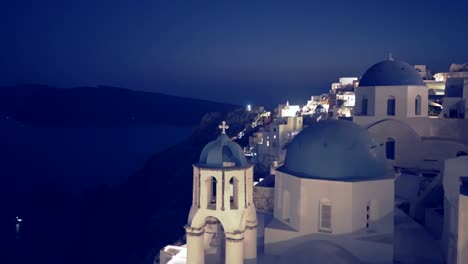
126, 223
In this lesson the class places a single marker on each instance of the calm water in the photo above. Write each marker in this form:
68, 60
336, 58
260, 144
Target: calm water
77, 157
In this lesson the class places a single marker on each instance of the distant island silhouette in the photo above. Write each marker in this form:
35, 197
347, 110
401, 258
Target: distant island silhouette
101, 105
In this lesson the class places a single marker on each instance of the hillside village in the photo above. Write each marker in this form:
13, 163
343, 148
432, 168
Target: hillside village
387, 150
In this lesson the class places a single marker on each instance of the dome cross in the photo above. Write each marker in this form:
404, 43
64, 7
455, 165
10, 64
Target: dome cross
223, 127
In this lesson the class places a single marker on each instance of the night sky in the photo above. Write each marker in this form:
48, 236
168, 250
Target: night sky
233, 51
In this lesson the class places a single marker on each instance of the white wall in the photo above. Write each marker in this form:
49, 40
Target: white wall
454, 169
340, 196
381, 195
383, 93
422, 143
404, 100
463, 230
348, 199
369, 93
414, 91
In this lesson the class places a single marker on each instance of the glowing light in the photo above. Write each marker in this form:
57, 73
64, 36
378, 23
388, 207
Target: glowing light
249, 107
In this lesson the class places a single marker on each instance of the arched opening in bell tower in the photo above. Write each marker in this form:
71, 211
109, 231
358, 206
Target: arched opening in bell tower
234, 193
212, 193
214, 241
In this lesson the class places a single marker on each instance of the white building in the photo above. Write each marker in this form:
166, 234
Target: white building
347, 83
462, 248
332, 200
341, 98
455, 103
288, 110
222, 223
455, 231
333, 191
456, 71
392, 103
272, 140
316, 103
424, 73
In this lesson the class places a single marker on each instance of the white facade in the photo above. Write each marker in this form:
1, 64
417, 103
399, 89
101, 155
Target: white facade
396, 112
288, 110
423, 72
272, 141
413, 140
314, 102
345, 82
410, 101
222, 223
318, 203
455, 240
462, 248
358, 210
455, 104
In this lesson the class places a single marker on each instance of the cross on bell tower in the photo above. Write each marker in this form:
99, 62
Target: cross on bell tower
223, 127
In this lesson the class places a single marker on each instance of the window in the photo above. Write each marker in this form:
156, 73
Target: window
390, 148
391, 106
274, 144
268, 143
325, 217
364, 106
417, 105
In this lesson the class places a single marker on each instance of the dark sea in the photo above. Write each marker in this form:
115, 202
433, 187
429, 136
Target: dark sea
76, 158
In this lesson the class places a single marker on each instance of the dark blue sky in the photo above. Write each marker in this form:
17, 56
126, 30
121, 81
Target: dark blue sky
234, 51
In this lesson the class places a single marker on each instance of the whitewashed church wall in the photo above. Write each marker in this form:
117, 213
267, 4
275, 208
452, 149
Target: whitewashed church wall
382, 94
365, 92
379, 195
414, 91
340, 196
462, 248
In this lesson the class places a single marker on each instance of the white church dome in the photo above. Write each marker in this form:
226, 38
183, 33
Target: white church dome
222, 152
334, 150
390, 73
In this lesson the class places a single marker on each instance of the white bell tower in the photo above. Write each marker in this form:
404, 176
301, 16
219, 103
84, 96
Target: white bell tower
222, 220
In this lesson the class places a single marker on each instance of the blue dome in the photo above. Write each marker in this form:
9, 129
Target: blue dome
334, 150
389, 73
215, 153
